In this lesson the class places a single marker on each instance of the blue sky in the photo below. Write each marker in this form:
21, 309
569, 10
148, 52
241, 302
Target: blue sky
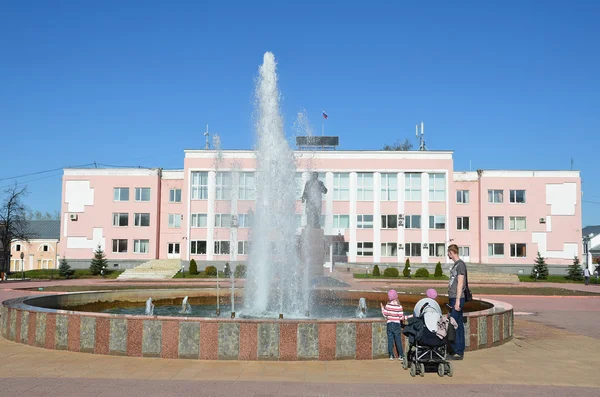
505, 84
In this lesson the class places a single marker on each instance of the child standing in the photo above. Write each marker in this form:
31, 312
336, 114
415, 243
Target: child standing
394, 314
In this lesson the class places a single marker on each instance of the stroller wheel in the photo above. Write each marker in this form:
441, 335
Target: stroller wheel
413, 370
449, 370
441, 370
422, 370
404, 363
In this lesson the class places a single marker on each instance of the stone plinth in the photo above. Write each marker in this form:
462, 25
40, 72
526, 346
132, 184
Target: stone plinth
313, 242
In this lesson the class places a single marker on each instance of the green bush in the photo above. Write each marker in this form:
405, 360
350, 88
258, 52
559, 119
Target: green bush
193, 267
391, 272
422, 272
406, 271
64, 269
210, 271
438, 270
376, 271
240, 271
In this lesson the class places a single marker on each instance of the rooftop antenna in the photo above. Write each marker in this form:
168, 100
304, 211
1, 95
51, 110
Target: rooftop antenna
207, 140
422, 137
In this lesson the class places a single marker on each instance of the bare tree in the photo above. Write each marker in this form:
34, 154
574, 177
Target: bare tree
399, 146
13, 222
40, 216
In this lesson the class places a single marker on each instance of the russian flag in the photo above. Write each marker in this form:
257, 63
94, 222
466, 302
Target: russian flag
324, 115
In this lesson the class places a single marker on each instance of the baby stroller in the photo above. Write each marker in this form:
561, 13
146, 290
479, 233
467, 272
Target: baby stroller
425, 349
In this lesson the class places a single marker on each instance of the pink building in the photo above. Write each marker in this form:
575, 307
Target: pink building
381, 207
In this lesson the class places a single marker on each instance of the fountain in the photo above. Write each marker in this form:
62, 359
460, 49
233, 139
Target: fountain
186, 308
232, 278
218, 311
149, 307
361, 310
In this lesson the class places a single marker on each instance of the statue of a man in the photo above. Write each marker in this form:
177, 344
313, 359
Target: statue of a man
312, 195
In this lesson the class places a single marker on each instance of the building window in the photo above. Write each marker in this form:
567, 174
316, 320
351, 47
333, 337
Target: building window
437, 249
437, 187
141, 246
222, 220
364, 249
121, 194
496, 196
174, 220
412, 186
244, 220
517, 196
364, 221
364, 186
437, 221
412, 222
45, 248
464, 252
223, 185
142, 219
341, 186
462, 223
495, 222
341, 248
119, 246
389, 187
198, 247
517, 223
199, 220
17, 247
175, 195
247, 186
222, 247
120, 219
389, 249
142, 194
389, 221
341, 221
298, 186
200, 185
462, 196
496, 250
518, 250
243, 248
412, 249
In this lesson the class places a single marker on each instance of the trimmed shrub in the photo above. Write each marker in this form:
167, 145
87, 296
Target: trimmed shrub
240, 271
210, 271
391, 272
376, 271
438, 270
193, 267
406, 271
422, 272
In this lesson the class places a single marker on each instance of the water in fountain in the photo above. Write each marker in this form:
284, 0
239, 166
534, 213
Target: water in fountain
186, 308
149, 307
275, 281
361, 310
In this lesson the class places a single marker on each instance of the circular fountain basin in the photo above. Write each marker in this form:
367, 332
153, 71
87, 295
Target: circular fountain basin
112, 322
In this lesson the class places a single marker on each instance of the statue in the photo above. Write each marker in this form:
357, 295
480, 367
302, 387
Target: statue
312, 195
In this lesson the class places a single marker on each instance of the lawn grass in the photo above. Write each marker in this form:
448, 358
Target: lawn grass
52, 274
370, 276
201, 274
555, 279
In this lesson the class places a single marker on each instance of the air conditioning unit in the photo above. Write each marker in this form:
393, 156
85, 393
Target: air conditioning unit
542, 220
73, 217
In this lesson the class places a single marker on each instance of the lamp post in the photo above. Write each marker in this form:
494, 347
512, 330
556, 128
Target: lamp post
22, 266
182, 270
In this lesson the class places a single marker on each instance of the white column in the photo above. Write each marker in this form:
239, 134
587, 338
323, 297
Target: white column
448, 214
233, 232
401, 253
424, 216
329, 203
212, 195
303, 222
352, 242
188, 244
376, 217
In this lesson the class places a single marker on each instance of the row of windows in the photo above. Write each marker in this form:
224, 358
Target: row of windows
119, 246
495, 196
43, 248
122, 194
221, 247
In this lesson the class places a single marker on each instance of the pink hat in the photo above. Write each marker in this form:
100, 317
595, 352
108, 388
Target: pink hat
431, 293
392, 295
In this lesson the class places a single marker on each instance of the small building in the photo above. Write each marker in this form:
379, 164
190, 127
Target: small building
591, 246
41, 251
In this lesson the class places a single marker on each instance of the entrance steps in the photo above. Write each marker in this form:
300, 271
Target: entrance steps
153, 269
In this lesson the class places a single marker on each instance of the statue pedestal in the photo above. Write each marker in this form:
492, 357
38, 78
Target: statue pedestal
313, 250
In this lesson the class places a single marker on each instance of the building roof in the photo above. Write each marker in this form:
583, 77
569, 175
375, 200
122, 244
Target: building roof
591, 229
46, 229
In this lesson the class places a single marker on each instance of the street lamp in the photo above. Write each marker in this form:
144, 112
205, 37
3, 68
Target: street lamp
182, 270
22, 266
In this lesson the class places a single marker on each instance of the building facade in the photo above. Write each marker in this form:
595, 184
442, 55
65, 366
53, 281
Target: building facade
41, 251
381, 207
